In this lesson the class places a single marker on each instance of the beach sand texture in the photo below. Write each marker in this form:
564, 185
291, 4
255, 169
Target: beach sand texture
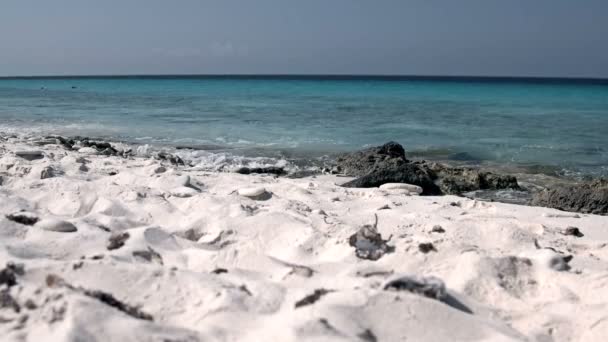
98, 248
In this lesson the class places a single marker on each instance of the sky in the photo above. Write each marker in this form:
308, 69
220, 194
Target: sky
557, 38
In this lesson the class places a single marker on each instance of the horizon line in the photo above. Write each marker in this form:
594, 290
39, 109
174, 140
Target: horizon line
311, 76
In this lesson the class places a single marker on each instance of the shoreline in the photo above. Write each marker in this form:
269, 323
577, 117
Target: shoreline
317, 158
200, 255
294, 163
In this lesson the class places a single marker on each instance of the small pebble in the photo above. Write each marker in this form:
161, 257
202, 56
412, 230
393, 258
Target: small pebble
47, 172
431, 287
426, 247
117, 240
402, 186
56, 225
23, 217
437, 229
253, 193
574, 231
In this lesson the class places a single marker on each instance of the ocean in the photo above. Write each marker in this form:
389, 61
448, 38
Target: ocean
555, 125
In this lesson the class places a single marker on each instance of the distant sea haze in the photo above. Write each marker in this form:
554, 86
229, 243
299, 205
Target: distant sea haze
547, 122
335, 77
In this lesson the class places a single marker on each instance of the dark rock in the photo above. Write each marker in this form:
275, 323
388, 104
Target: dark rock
457, 180
30, 305
150, 255
437, 229
219, 271
409, 173
430, 287
360, 163
273, 170
47, 172
7, 301
8, 275
560, 262
23, 217
117, 240
101, 145
574, 231
426, 247
191, 234
66, 143
368, 243
104, 148
589, 198
387, 164
312, 298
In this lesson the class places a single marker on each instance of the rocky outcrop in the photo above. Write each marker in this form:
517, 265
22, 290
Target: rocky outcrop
591, 197
409, 173
85, 144
458, 180
387, 164
361, 163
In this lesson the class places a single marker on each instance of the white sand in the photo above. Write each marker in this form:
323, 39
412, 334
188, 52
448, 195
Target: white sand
280, 240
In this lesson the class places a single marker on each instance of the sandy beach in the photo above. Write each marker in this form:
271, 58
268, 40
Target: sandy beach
108, 248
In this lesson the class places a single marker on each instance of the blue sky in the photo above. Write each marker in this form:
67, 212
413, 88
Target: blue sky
426, 37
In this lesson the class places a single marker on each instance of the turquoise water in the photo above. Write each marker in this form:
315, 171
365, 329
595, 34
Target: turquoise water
520, 122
